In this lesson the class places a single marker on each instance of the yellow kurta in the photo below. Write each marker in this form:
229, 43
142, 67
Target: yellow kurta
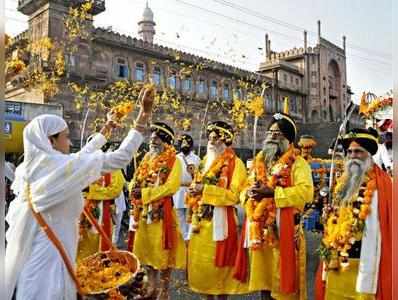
89, 241
264, 262
148, 237
112, 191
203, 276
340, 285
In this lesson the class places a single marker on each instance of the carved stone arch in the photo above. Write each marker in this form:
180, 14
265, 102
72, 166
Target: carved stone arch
334, 85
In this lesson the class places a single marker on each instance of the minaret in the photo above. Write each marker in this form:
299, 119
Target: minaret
146, 27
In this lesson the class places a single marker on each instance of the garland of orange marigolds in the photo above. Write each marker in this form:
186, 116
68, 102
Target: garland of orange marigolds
262, 214
345, 222
216, 175
150, 173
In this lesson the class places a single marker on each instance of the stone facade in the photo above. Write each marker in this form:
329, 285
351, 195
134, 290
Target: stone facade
314, 79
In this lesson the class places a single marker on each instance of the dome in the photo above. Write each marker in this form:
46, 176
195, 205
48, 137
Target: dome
148, 14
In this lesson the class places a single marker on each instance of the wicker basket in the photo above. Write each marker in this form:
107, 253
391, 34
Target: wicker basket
124, 257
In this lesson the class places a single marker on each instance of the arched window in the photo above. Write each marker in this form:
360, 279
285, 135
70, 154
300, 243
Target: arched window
157, 75
172, 80
139, 72
213, 89
201, 86
187, 84
226, 92
121, 68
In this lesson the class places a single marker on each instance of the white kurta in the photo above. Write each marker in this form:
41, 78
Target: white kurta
42, 275
186, 178
179, 197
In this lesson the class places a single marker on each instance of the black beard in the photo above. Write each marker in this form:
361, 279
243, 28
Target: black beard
186, 151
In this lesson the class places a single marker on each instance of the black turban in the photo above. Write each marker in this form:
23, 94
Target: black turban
367, 138
286, 125
223, 130
163, 131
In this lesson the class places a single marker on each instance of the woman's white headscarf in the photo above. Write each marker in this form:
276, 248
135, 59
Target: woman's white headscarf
53, 177
36, 144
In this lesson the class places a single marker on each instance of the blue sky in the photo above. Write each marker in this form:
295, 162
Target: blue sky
231, 31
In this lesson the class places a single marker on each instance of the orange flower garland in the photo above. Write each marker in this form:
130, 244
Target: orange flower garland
262, 214
151, 172
345, 223
216, 175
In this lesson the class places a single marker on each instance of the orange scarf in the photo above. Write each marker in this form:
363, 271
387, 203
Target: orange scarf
242, 258
169, 230
226, 250
106, 215
384, 189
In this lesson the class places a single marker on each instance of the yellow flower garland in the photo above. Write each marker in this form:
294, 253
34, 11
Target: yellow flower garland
345, 223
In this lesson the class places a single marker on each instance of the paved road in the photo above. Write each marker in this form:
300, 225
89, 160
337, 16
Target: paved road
180, 290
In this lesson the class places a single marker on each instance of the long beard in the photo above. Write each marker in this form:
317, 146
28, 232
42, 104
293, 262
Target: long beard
155, 150
355, 171
273, 149
211, 155
270, 152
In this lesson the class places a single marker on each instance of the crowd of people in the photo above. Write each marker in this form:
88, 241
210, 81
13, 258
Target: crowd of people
235, 227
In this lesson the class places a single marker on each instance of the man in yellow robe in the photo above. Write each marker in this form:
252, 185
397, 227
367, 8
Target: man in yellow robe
99, 198
213, 243
279, 186
356, 245
158, 242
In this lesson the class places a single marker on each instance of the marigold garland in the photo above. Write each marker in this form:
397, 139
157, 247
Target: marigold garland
345, 222
151, 172
216, 175
262, 214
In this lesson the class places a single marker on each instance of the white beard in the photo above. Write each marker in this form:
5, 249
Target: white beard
211, 156
355, 170
272, 151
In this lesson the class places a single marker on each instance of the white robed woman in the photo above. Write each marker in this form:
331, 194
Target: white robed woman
55, 180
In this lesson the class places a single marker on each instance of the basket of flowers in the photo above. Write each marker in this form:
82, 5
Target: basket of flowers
114, 274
